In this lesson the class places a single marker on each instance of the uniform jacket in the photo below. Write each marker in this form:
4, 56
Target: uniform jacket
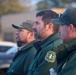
42, 61
22, 60
66, 57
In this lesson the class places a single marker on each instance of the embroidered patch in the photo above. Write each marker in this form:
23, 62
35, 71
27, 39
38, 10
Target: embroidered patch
50, 56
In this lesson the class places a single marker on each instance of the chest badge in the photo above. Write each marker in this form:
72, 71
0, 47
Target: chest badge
50, 56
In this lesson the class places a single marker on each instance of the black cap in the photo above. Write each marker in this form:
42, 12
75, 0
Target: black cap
67, 18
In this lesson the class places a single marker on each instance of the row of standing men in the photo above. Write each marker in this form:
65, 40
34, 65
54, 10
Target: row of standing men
46, 46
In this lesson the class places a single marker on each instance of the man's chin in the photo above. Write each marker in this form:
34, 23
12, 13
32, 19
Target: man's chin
36, 37
19, 43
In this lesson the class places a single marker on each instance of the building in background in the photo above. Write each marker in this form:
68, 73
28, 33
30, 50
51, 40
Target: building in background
59, 10
8, 33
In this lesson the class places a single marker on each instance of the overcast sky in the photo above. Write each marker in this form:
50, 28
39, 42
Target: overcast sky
29, 2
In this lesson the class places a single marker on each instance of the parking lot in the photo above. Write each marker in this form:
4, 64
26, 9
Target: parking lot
7, 52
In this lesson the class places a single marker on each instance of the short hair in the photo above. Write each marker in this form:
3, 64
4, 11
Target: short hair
47, 15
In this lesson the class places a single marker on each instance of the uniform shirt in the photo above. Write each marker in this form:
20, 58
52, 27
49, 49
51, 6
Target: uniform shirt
22, 60
44, 58
66, 57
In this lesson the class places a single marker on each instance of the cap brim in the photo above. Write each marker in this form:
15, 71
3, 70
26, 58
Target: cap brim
57, 21
14, 26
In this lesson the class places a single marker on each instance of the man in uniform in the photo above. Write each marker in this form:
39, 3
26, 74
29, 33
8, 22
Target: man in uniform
66, 53
25, 39
49, 39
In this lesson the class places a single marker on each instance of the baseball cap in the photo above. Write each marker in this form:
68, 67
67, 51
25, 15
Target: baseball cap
67, 18
27, 24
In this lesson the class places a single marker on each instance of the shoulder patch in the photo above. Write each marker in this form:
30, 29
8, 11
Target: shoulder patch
50, 56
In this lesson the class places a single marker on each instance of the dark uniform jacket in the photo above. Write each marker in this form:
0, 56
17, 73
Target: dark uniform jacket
22, 60
66, 57
44, 59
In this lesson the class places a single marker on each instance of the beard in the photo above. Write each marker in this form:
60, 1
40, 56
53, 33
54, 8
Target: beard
39, 34
36, 35
19, 43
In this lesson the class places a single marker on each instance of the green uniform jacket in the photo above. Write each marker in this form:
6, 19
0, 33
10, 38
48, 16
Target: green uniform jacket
42, 61
66, 57
22, 60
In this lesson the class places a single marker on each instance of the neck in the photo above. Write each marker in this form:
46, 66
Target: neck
46, 37
30, 40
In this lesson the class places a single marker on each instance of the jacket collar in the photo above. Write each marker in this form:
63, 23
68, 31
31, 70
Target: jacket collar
29, 45
41, 44
65, 49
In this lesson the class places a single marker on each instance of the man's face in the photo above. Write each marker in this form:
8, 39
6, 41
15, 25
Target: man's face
64, 32
39, 28
22, 35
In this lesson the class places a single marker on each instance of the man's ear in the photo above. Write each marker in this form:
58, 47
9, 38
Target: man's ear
71, 28
49, 26
32, 34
